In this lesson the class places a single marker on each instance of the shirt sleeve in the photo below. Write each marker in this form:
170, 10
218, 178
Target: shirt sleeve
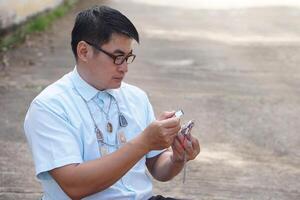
54, 142
150, 119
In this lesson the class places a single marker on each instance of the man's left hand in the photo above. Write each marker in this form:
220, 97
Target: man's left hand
181, 145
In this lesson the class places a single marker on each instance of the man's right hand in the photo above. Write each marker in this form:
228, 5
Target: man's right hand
160, 134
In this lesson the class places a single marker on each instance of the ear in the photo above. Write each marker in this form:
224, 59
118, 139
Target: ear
84, 51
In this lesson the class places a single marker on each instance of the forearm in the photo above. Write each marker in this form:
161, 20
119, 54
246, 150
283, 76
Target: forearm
94, 176
165, 168
80, 180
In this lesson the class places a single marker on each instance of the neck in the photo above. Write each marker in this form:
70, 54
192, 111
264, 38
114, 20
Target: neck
87, 76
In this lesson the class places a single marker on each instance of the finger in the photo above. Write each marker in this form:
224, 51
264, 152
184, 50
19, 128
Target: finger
170, 122
178, 146
196, 145
193, 148
168, 138
189, 134
177, 156
166, 115
188, 145
172, 132
189, 148
174, 149
180, 137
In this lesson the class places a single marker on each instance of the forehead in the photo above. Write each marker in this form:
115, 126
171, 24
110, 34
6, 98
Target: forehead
119, 41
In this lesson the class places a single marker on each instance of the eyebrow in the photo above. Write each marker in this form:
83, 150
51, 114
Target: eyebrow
122, 52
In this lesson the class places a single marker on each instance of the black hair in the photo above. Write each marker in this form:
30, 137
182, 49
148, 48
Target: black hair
97, 24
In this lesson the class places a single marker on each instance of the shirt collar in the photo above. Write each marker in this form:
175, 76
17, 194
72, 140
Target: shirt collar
84, 89
113, 92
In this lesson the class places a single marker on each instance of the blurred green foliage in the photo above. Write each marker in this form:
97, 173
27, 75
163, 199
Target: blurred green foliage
38, 23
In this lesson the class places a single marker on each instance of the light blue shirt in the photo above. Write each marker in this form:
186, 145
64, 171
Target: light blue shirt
60, 131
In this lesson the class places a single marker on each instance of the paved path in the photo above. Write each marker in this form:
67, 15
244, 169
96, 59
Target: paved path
235, 71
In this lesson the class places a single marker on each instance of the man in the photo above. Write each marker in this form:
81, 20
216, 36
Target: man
92, 135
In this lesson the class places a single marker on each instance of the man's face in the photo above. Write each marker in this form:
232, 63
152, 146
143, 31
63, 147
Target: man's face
105, 73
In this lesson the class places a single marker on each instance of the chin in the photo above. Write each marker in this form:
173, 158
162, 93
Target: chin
116, 86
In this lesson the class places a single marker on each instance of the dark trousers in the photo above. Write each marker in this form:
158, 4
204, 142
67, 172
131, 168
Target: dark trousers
159, 197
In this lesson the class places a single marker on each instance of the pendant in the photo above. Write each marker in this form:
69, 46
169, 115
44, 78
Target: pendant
99, 134
122, 120
122, 138
109, 127
103, 151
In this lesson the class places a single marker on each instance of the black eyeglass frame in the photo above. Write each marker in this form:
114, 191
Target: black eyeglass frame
114, 57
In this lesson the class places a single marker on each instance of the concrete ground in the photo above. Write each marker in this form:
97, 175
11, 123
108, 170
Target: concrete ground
234, 70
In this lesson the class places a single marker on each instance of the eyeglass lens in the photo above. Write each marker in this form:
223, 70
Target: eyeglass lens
120, 59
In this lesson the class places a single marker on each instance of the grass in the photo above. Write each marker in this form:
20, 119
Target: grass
38, 23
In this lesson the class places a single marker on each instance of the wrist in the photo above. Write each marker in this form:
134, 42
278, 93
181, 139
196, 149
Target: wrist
177, 160
141, 142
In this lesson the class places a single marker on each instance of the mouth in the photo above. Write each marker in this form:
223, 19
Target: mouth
118, 78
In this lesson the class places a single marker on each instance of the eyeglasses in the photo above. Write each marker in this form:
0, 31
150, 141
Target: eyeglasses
118, 60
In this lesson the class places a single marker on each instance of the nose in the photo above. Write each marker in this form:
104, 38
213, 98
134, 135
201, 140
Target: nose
123, 67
